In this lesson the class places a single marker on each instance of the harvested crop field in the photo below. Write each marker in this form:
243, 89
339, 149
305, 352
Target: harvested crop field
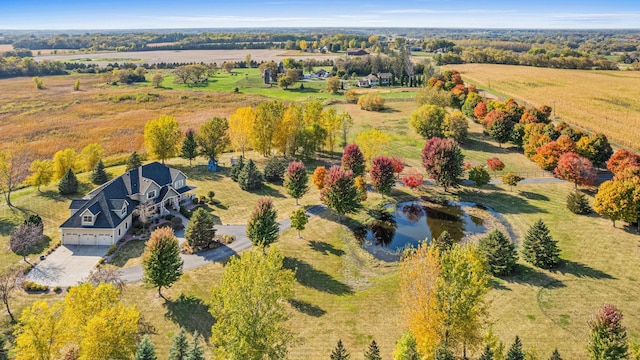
5, 47
598, 101
182, 56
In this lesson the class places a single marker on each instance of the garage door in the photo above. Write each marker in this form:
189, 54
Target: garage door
71, 239
87, 239
104, 240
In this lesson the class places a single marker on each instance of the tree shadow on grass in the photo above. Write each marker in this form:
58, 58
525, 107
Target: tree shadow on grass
307, 276
53, 195
534, 196
581, 270
267, 190
307, 308
325, 248
527, 275
7, 226
498, 284
502, 202
191, 313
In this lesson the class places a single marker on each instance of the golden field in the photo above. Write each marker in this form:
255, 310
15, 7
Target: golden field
598, 101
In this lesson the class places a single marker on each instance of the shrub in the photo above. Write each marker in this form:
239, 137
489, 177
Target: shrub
112, 249
479, 175
176, 223
274, 169
350, 96
57, 289
195, 201
31, 286
169, 217
371, 102
186, 213
577, 203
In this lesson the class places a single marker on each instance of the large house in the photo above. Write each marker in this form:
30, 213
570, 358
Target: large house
375, 80
105, 214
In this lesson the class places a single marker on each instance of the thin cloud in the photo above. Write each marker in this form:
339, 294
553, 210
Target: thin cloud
431, 11
596, 16
227, 18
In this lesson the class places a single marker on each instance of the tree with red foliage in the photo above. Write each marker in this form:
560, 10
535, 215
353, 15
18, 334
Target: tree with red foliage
443, 161
295, 180
493, 116
413, 179
382, 174
353, 160
339, 192
622, 159
575, 168
607, 336
480, 111
398, 165
495, 165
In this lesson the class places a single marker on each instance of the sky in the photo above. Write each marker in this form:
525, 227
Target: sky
158, 14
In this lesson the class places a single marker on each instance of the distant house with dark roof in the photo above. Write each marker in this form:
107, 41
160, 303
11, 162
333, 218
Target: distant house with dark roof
356, 52
106, 213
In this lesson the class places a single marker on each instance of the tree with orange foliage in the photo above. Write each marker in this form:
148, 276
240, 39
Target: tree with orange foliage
575, 168
622, 159
547, 156
566, 144
495, 165
318, 177
480, 111
413, 179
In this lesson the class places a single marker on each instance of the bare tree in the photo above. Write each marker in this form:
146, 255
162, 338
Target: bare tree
146, 210
107, 276
25, 238
14, 169
10, 280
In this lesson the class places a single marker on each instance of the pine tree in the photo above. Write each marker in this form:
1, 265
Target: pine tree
146, 350
134, 161
487, 354
555, 355
235, 169
296, 180
189, 146
250, 177
515, 351
200, 231
499, 251
444, 242
539, 248
578, 204
262, 228
195, 351
339, 353
99, 175
180, 347
373, 353
68, 184
406, 348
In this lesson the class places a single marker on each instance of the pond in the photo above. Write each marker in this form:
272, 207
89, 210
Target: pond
406, 224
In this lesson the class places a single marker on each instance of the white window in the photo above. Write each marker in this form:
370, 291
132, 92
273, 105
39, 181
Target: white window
178, 184
124, 211
87, 219
151, 194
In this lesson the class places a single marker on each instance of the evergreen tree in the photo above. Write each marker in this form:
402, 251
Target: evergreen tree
134, 161
250, 177
487, 354
262, 228
555, 355
189, 146
180, 347
195, 351
539, 248
578, 204
339, 353
499, 251
68, 184
608, 338
235, 169
162, 265
444, 242
406, 348
200, 231
373, 353
296, 180
444, 353
146, 350
515, 351
274, 169
99, 175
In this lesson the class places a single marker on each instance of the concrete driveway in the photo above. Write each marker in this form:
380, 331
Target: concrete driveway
67, 265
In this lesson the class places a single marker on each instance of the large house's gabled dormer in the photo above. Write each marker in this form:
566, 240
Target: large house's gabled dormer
89, 215
120, 207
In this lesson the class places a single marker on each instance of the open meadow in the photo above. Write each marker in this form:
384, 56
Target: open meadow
598, 101
341, 291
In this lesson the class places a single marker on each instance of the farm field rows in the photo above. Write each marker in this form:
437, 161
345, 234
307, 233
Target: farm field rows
598, 101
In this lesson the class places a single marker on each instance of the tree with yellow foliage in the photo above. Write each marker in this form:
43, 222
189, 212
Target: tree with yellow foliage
332, 123
63, 161
41, 173
285, 135
90, 155
268, 118
372, 143
162, 137
240, 127
91, 321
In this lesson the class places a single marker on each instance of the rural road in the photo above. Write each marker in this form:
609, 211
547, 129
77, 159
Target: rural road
241, 243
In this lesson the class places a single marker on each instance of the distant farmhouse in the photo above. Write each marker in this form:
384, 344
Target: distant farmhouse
375, 80
105, 214
356, 52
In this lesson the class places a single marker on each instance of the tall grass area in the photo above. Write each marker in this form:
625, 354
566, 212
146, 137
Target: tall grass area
599, 101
